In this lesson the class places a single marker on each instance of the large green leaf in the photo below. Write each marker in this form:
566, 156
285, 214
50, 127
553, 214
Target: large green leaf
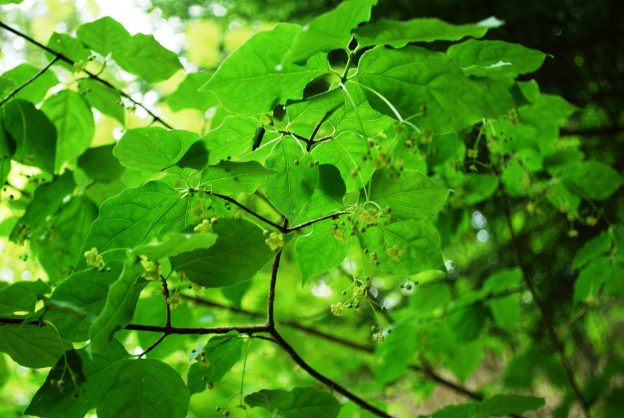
104, 35
331, 30
398, 34
407, 193
36, 90
34, 134
214, 360
100, 164
427, 88
253, 79
121, 301
176, 243
73, 119
21, 297
94, 374
495, 58
145, 389
240, 251
46, 201
31, 345
142, 55
292, 185
233, 178
403, 248
233, 137
357, 115
592, 180
319, 250
136, 216
153, 149
496, 406
303, 402
188, 95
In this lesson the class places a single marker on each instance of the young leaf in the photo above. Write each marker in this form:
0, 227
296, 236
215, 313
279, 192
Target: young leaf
153, 149
214, 360
73, 120
399, 33
407, 193
302, 402
331, 30
104, 35
34, 134
145, 388
233, 178
253, 79
240, 251
103, 98
495, 58
293, 183
424, 87
319, 250
144, 56
176, 243
404, 248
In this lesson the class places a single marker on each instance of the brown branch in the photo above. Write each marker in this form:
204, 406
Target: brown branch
30, 80
255, 214
94, 76
331, 384
550, 330
271, 296
313, 221
165, 293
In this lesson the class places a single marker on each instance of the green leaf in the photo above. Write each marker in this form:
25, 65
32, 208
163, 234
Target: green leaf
331, 30
233, 137
77, 301
293, 183
94, 375
143, 56
145, 388
357, 115
136, 216
592, 180
7, 149
404, 247
176, 243
233, 178
46, 201
70, 47
104, 35
319, 250
592, 249
100, 164
240, 251
501, 405
21, 297
407, 193
424, 87
73, 120
214, 360
398, 34
302, 402
478, 188
252, 80
598, 272
31, 345
153, 149
58, 245
347, 152
495, 58
121, 301
34, 134
35, 91
394, 355
188, 95
103, 98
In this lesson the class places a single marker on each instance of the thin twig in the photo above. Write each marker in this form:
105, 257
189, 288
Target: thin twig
313, 221
165, 293
94, 76
250, 211
550, 330
271, 297
30, 80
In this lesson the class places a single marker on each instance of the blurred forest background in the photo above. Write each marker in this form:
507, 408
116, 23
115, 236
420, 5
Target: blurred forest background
585, 39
